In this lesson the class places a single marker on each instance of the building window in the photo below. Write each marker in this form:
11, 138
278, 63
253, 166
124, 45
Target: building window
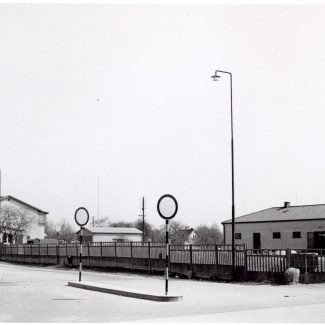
238, 235
276, 235
296, 234
118, 240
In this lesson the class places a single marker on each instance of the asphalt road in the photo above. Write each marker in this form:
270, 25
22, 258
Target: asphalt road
42, 294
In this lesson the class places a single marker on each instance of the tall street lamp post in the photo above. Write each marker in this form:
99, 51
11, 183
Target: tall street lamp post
215, 77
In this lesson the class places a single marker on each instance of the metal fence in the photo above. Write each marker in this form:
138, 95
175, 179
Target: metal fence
205, 261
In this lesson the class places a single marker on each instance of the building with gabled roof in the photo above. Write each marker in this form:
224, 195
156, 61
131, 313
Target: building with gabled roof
35, 229
299, 227
110, 234
185, 236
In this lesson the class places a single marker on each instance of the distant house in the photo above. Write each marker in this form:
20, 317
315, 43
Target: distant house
29, 222
185, 236
112, 234
299, 227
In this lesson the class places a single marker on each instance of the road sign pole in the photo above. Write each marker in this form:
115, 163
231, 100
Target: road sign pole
81, 216
80, 256
167, 258
167, 208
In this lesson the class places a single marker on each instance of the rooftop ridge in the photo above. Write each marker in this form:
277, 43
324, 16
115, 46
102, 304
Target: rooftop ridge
288, 208
14, 198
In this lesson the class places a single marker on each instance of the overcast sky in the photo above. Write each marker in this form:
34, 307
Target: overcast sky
122, 96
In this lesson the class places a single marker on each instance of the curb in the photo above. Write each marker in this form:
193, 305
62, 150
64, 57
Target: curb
121, 292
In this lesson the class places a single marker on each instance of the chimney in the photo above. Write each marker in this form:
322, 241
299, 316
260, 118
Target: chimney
287, 204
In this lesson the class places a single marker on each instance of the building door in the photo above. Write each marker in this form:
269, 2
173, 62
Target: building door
256, 240
310, 240
319, 239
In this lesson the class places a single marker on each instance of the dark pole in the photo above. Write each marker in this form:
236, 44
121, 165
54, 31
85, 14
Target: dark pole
233, 186
232, 176
142, 205
0, 210
143, 218
167, 259
80, 256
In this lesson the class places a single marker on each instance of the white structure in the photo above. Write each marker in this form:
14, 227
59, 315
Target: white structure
188, 235
36, 217
297, 227
97, 234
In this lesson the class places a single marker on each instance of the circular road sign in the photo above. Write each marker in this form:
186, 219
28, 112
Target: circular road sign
167, 207
81, 216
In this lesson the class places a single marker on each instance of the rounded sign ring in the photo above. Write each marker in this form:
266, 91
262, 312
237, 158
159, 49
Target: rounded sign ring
167, 206
81, 218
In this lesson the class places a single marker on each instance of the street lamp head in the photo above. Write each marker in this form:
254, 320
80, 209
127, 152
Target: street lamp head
215, 77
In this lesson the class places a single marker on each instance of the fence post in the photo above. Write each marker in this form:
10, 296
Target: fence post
131, 255
149, 256
24, 253
169, 265
47, 253
101, 254
39, 253
245, 261
288, 258
115, 256
191, 260
57, 254
66, 252
88, 254
217, 259
77, 252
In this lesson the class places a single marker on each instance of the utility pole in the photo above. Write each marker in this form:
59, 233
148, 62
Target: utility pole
143, 206
98, 199
0, 206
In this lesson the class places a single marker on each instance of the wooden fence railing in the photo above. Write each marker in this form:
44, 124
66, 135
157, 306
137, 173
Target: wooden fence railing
192, 260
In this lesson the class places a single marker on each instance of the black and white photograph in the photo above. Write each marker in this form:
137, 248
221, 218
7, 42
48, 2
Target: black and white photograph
162, 162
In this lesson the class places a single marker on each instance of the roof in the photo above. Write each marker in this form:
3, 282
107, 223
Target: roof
9, 197
113, 230
290, 213
187, 231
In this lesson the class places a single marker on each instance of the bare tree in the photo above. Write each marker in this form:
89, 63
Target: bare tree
175, 234
101, 222
208, 235
122, 224
66, 232
16, 221
158, 235
147, 228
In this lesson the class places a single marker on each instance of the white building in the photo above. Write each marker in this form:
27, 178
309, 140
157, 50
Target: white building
296, 227
112, 234
187, 235
29, 224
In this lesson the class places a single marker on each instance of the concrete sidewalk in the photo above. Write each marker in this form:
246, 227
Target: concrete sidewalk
123, 291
